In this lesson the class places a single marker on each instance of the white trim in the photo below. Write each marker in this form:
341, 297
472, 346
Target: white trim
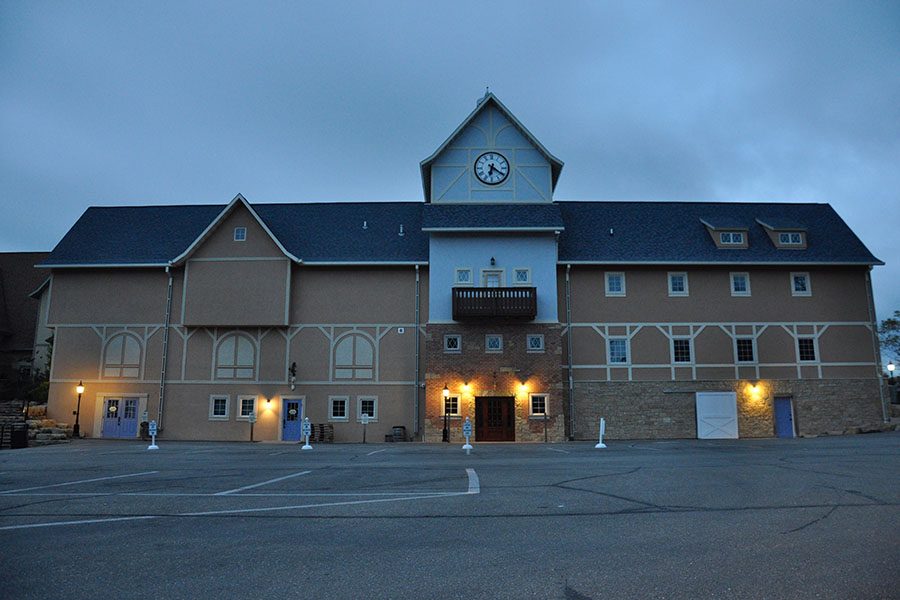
627, 340
736, 294
546, 412
458, 349
242, 231
673, 293
444, 405
690, 341
212, 404
359, 401
815, 345
101, 397
493, 350
731, 233
500, 271
529, 349
752, 339
282, 417
331, 417
239, 406
527, 281
618, 294
802, 294
457, 282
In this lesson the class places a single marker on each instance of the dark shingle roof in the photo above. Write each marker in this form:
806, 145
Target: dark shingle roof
724, 222
664, 232
492, 216
780, 223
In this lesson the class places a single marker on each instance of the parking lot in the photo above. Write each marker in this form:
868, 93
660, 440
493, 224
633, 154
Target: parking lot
682, 519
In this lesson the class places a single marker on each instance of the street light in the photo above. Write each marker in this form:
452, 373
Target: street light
446, 433
891, 367
79, 389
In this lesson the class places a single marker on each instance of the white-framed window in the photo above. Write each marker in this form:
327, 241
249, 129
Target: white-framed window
740, 284
615, 284
492, 277
367, 405
338, 408
235, 357
806, 349
800, 284
731, 238
122, 357
538, 404
617, 351
240, 234
452, 343
451, 406
681, 350
790, 239
354, 357
534, 342
218, 407
521, 276
678, 284
246, 407
493, 342
463, 276
745, 350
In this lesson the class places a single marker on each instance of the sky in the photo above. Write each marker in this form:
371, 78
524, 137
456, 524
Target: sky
125, 103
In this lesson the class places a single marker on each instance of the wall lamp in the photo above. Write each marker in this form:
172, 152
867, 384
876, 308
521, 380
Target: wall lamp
493, 261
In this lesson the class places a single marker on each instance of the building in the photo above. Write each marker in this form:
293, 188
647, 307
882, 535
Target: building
23, 343
488, 300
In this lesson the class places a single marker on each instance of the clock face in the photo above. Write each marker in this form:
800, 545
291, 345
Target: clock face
492, 168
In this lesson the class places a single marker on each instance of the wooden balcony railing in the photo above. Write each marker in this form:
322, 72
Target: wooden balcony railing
494, 303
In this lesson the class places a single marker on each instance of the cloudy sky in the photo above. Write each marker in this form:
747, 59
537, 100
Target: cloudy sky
153, 102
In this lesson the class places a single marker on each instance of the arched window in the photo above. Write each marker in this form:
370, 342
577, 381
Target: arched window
235, 358
122, 358
354, 357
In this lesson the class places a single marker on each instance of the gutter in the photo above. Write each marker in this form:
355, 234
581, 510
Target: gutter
416, 381
875, 346
165, 351
569, 343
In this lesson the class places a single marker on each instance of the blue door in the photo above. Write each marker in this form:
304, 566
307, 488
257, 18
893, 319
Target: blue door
292, 420
784, 418
120, 417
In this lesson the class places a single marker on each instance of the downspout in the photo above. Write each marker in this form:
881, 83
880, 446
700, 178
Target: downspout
416, 382
569, 343
165, 350
875, 345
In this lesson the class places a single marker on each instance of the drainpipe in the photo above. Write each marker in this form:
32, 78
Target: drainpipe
416, 383
569, 343
871, 306
165, 351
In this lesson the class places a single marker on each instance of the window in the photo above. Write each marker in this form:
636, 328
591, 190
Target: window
740, 284
453, 344
247, 405
123, 357
800, 285
537, 405
790, 239
367, 405
745, 353
463, 276
240, 234
521, 276
681, 350
731, 238
492, 277
678, 284
354, 357
235, 358
615, 284
534, 342
451, 406
337, 408
493, 343
806, 347
618, 350
218, 408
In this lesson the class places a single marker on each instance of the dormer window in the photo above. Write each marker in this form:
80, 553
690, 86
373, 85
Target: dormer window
240, 234
731, 238
790, 239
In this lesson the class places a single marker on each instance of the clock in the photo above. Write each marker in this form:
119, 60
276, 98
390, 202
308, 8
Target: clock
492, 168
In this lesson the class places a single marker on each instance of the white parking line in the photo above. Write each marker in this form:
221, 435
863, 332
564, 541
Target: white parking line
558, 450
297, 506
55, 523
376, 452
256, 485
41, 487
474, 485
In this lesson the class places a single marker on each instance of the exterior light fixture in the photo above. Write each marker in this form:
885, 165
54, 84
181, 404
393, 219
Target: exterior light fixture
79, 389
493, 261
891, 366
446, 391
445, 434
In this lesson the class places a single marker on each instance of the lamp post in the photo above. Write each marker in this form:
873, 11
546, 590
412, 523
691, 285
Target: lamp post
76, 431
891, 366
446, 433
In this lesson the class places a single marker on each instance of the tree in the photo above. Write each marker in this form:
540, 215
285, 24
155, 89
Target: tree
889, 334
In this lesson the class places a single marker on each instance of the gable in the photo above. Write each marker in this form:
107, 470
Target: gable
220, 242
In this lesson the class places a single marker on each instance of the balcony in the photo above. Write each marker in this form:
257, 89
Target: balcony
494, 303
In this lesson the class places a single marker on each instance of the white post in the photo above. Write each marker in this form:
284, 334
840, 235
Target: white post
467, 432
152, 445
307, 429
600, 443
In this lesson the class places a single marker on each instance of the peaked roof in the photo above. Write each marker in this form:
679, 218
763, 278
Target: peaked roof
489, 99
492, 217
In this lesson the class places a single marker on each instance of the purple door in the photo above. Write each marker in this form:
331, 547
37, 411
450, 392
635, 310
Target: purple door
120, 417
291, 421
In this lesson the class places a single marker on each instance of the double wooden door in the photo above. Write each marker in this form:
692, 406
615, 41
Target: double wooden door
495, 419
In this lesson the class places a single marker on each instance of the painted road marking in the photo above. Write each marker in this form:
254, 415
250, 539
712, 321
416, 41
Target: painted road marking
297, 506
474, 485
256, 485
376, 452
220, 495
55, 523
558, 450
41, 487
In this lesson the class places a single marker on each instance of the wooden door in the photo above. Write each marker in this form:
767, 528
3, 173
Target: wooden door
495, 419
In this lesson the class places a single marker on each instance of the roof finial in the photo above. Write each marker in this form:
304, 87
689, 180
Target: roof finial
487, 92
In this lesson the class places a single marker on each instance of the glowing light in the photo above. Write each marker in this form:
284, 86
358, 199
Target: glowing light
79, 389
446, 391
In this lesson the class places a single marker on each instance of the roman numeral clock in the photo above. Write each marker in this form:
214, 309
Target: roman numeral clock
492, 168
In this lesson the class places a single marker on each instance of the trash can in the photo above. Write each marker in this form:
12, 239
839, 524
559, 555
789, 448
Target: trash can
399, 433
145, 430
18, 437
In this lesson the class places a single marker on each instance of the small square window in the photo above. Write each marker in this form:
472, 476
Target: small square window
218, 408
522, 276
537, 405
731, 237
535, 342
678, 284
463, 276
681, 350
493, 343
790, 239
740, 284
240, 234
745, 352
337, 408
247, 405
615, 284
453, 344
451, 406
800, 285
806, 347
367, 405
618, 350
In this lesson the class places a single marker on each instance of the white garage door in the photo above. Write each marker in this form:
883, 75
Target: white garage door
717, 415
